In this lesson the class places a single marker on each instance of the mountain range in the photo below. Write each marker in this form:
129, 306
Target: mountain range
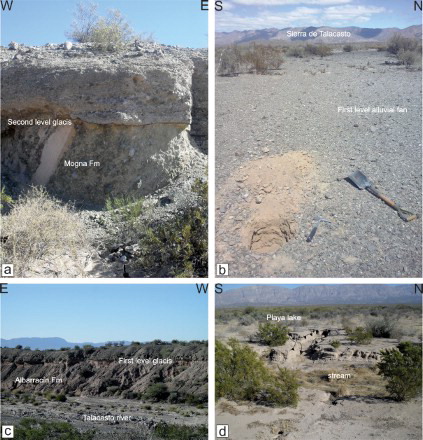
48, 343
319, 294
358, 35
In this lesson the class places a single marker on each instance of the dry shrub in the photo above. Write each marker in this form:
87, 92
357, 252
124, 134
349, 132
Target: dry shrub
342, 391
109, 33
407, 50
398, 43
320, 50
229, 61
39, 226
410, 58
256, 58
296, 52
264, 58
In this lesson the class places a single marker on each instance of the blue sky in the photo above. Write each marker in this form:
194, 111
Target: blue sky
99, 313
175, 22
260, 14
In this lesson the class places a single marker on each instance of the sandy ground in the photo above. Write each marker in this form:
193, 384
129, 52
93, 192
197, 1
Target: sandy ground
296, 110
316, 418
362, 410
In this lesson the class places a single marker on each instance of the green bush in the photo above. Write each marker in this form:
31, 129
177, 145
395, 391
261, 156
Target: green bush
360, 336
242, 375
32, 429
272, 334
336, 344
180, 432
125, 208
61, 397
178, 246
402, 368
6, 201
156, 392
348, 48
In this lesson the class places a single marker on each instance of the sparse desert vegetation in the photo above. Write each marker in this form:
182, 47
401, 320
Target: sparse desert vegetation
40, 227
261, 58
407, 50
349, 359
160, 405
108, 33
314, 107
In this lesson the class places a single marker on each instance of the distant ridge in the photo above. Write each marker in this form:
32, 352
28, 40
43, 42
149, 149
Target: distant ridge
48, 343
358, 35
315, 295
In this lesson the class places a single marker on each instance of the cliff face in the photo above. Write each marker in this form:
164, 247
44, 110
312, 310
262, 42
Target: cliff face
98, 372
139, 116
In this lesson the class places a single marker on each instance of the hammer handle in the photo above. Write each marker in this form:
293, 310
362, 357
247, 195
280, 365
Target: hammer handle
380, 196
404, 215
312, 234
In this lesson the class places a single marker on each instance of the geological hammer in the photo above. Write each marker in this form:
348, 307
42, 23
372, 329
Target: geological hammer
318, 220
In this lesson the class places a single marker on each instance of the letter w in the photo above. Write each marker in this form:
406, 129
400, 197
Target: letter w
6, 3
202, 288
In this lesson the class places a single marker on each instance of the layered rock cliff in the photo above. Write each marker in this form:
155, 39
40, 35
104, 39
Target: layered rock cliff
89, 125
98, 372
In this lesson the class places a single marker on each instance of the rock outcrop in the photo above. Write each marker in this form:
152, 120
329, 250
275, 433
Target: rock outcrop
98, 372
139, 116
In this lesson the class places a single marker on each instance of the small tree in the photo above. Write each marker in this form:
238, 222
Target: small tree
360, 336
85, 21
272, 334
156, 392
107, 33
242, 375
402, 368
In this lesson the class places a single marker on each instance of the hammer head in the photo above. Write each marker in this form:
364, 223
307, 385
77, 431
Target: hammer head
321, 219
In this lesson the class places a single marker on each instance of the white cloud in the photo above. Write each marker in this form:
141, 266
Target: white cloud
351, 13
298, 17
341, 15
289, 2
227, 6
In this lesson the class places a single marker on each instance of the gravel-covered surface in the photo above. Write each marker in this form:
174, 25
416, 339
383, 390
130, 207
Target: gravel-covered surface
296, 109
137, 419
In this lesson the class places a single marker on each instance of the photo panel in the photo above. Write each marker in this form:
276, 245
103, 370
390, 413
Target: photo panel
319, 138
98, 361
104, 129
318, 361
